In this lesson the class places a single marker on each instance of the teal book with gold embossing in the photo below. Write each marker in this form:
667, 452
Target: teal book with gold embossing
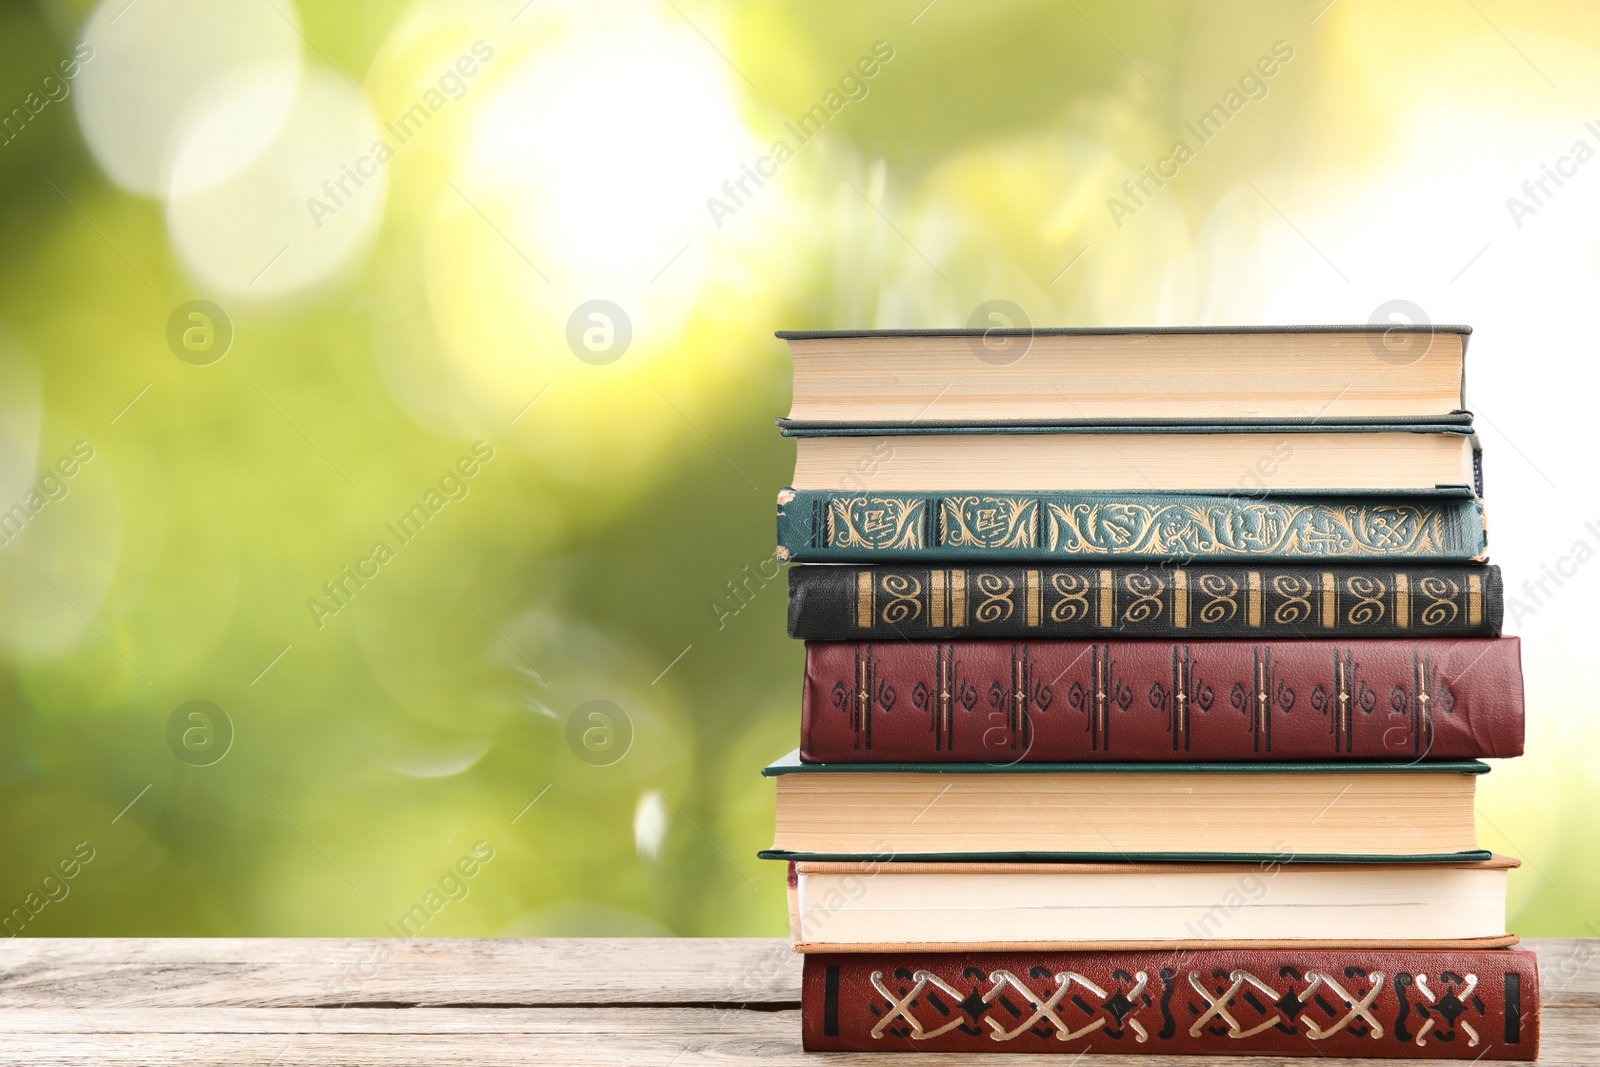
839, 527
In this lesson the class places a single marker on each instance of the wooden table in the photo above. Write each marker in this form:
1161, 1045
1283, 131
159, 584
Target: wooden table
656, 1002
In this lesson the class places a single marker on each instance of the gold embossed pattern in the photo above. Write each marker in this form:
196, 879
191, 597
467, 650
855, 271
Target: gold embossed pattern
1184, 598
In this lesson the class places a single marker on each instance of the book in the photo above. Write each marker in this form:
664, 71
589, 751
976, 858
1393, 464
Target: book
1281, 1001
1336, 374
845, 602
880, 907
1161, 701
1144, 457
842, 527
1411, 812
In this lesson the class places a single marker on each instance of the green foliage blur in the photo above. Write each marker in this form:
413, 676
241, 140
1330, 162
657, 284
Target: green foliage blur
613, 540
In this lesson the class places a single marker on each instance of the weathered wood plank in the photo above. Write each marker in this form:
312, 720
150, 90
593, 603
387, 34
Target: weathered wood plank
320, 972
1569, 971
651, 1003
176, 972
625, 1037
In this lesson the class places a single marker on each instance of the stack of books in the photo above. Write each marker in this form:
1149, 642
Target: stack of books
1148, 673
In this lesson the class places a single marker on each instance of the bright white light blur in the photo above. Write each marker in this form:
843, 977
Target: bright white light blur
163, 71
275, 227
649, 824
606, 150
585, 176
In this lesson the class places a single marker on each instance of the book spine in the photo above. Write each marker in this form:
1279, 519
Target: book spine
1156, 701
1208, 602
829, 527
1418, 1004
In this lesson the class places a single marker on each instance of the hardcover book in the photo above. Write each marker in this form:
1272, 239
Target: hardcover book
1077, 812
1161, 701
844, 602
1334, 374
843, 527
1283, 1001
1306, 459
880, 907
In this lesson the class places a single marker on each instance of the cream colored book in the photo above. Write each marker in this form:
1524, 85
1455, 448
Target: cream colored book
1323, 373
869, 906
1200, 811
1209, 462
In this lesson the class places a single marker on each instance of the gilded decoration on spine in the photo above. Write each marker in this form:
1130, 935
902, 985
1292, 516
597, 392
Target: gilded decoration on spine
1072, 591
989, 521
996, 605
903, 599
1188, 692
864, 610
1441, 595
1294, 603
1106, 690
1162, 601
1347, 695
874, 522
1267, 693
1248, 528
1415, 708
857, 701
1146, 589
1220, 593
949, 691
1369, 594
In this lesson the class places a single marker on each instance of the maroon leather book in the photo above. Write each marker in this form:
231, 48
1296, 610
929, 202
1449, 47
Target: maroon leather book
1404, 1004
1159, 701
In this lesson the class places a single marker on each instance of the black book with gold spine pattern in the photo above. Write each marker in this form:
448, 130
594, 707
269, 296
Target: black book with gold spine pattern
1205, 602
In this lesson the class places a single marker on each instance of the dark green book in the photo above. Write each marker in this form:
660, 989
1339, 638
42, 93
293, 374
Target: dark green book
1301, 812
1275, 601
839, 527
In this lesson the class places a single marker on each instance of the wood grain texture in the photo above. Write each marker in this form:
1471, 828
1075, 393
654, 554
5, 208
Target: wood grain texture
424, 972
646, 1002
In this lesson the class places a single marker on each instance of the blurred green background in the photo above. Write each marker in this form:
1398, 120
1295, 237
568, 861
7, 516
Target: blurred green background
400, 211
